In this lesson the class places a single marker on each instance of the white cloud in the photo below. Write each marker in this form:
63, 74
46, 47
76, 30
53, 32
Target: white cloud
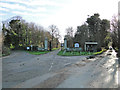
21, 13
2, 14
16, 1
35, 2
46, 3
37, 9
21, 7
29, 14
3, 9
12, 6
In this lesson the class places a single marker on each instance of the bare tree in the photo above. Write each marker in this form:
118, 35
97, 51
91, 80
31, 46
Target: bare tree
119, 30
54, 31
69, 31
114, 30
69, 36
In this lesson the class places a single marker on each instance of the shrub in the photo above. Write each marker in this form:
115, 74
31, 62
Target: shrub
12, 46
5, 51
99, 49
55, 49
116, 49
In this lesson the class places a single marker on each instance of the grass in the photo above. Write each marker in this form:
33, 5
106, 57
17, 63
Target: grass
116, 49
40, 52
97, 53
55, 49
61, 53
37, 52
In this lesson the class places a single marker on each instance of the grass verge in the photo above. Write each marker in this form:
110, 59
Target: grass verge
37, 52
55, 49
62, 53
97, 53
41, 52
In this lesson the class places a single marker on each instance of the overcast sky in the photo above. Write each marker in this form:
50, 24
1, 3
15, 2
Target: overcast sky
63, 13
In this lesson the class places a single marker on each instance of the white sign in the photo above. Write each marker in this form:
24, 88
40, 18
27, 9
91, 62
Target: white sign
28, 48
62, 44
77, 45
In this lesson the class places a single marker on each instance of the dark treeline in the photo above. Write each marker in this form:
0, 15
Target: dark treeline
17, 33
95, 30
103, 31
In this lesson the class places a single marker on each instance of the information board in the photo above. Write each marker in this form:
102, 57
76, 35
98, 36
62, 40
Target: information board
76, 45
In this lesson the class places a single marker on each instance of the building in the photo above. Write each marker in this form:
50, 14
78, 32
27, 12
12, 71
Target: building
90, 46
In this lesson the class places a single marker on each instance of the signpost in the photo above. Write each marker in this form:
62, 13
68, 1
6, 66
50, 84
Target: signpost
62, 44
76, 45
28, 48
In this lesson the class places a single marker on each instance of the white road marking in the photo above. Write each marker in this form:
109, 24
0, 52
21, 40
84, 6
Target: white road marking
67, 64
51, 66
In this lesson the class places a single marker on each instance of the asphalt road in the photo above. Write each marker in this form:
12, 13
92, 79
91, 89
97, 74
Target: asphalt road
99, 72
21, 66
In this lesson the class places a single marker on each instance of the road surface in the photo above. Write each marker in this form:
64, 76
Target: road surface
22, 70
21, 66
99, 72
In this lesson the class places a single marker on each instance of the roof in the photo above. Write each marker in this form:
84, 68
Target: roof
91, 43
